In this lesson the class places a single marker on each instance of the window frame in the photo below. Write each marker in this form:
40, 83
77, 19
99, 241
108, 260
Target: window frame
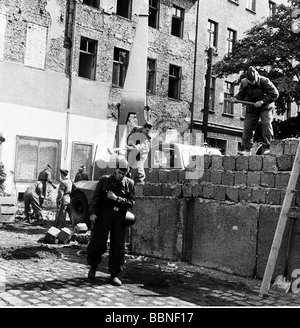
212, 34
39, 165
119, 9
86, 53
272, 8
121, 67
227, 104
251, 5
155, 11
179, 20
231, 40
92, 3
151, 76
176, 79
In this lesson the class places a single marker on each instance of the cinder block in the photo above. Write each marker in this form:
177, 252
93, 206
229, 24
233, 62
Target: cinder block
227, 178
285, 162
208, 191
245, 194
139, 190
51, 236
242, 163
253, 178
163, 176
220, 193
206, 176
64, 235
156, 189
240, 178
232, 194
273, 196
153, 176
229, 163
176, 190
258, 195
269, 163
165, 189
267, 180
216, 176
217, 162
282, 180
187, 190
81, 228
290, 146
148, 189
197, 190
173, 176
207, 161
255, 163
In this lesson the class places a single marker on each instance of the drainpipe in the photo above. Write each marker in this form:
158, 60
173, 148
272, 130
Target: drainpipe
70, 83
195, 67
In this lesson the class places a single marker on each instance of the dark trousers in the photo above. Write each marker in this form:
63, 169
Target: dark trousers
251, 119
110, 222
33, 200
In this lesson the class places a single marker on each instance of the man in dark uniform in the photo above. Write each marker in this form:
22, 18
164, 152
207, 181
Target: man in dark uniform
32, 197
45, 177
114, 194
81, 174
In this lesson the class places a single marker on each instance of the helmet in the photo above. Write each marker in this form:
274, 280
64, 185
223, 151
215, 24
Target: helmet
129, 218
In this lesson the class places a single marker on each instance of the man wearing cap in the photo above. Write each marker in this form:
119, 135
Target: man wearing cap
114, 194
2, 178
63, 200
45, 177
260, 90
81, 174
139, 143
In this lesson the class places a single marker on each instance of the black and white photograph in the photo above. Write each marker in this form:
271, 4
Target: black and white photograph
149, 157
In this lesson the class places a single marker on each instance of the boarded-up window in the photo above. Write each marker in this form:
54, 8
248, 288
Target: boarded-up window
36, 44
32, 156
81, 155
2, 34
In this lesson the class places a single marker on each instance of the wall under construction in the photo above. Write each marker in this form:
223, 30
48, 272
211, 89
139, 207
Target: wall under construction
226, 220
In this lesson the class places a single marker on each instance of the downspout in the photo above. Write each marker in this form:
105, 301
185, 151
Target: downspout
70, 84
195, 67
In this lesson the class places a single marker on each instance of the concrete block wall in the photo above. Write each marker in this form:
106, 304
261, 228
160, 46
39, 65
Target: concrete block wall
226, 220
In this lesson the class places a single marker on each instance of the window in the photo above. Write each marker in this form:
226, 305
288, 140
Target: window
174, 81
231, 38
244, 107
151, 75
124, 8
272, 8
81, 155
36, 44
177, 22
153, 13
2, 34
229, 92
212, 94
93, 3
218, 143
32, 156
87, 58
212, 34
120, 65
251, 5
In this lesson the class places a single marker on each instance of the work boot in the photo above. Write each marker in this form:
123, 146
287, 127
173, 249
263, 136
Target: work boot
115, 280
92, 273
245, 152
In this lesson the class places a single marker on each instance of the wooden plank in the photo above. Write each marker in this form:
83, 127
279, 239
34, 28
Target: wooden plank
8, 209
7, 218
284, 214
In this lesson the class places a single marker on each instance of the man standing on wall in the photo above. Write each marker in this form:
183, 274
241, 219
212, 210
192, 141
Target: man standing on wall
45, 177
262, 92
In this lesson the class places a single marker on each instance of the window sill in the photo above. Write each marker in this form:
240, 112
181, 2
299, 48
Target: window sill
228, 115
251, 11
234, 3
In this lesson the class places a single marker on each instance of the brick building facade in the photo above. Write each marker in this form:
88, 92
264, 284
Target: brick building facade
62, 68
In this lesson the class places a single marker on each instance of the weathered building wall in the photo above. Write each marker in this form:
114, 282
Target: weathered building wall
226, 220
